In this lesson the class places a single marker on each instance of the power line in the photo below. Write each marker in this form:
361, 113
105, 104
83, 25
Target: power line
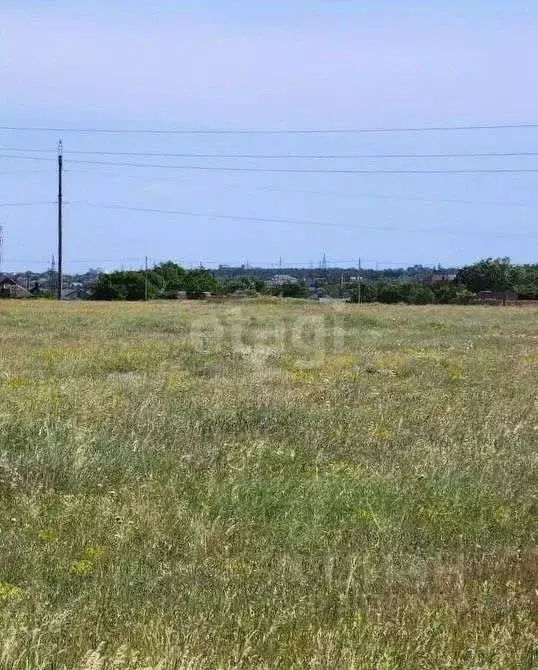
369, 195
328, 193
252, 219
25, 204
306, 171
283, 170
23, 172
152, 154
385, 196
315, 192
263, 131
351, 263
28, 158
300, 170
20, 261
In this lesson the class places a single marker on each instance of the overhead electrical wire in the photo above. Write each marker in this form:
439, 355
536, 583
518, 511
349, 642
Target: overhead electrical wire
265, 131
24, 172
384, 196
253, 219
307, 191
76, 260
324, 192
26, 204
152, 154
305, 170
347, 264
284, 170
28, 158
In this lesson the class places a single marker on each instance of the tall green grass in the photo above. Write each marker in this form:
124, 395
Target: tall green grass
205, 486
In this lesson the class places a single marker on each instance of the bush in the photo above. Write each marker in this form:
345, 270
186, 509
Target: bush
452, 294
412, 294
243, 285
368, 294
390, 293
199, 281
130, 285
298, 290
162, 280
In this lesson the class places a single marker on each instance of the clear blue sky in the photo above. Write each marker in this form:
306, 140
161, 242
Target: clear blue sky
321, 64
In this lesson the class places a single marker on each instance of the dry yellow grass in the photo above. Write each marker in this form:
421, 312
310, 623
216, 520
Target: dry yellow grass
264, 485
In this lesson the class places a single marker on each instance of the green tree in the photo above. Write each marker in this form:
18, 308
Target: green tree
292, 290
173, 276
125, 285
260, 286
410, 293
416, 294
490, 274
241, 284
368, 293
390, 293
199, 281
526, 285
448, 293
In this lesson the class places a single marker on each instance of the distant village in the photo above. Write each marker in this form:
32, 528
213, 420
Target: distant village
320, 283
30, 284
489, 280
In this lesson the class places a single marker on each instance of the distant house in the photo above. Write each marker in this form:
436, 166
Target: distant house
281, 280
495, 297
438, 278
10, 289
198, 295
175, 295
316, 293
76, 293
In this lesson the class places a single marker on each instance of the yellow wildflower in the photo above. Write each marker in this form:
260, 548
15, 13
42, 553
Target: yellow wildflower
48, 535
9, 592
82, 567
86, 564
18, 382
502, 515
455, 372
382, 432
93, 552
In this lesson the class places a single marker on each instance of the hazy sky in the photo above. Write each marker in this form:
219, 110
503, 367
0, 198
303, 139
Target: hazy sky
236, 65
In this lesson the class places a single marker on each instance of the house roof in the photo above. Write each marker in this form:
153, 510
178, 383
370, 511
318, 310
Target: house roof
283, 279
76, 291
5, 279
497, 295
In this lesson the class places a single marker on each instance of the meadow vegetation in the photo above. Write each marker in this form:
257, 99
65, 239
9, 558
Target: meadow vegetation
197, 485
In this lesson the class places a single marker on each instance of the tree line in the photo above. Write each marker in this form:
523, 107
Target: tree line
498, 276
163, 280
171, 280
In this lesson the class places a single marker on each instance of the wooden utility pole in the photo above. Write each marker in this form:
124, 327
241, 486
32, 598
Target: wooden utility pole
146, 281
359, 286
60, 229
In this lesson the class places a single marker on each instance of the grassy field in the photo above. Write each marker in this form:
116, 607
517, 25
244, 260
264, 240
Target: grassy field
267, 485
